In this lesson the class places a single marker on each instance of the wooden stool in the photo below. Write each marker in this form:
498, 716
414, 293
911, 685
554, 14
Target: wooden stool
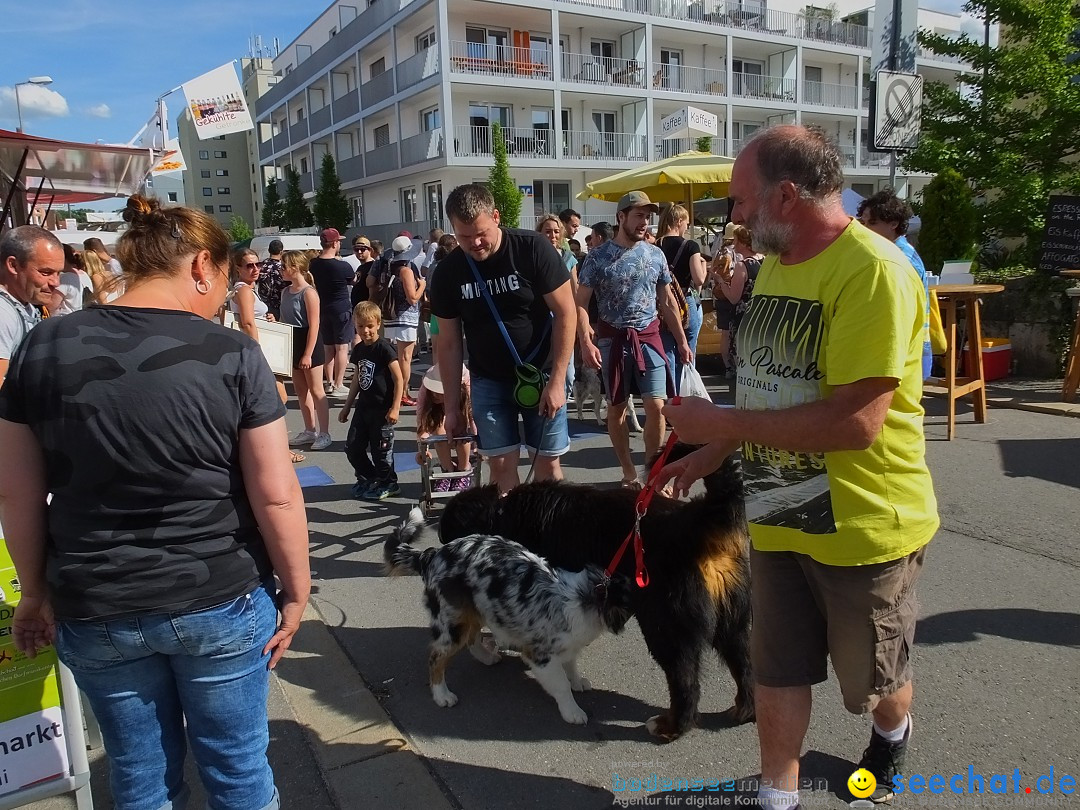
951, 297
1072, 364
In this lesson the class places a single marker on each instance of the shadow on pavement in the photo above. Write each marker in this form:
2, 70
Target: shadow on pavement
1021, 624
1051, 460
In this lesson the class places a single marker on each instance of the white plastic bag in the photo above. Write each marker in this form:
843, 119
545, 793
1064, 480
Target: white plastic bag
691, 384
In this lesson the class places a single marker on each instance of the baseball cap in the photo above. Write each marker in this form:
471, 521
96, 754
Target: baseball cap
329, 235
433, 382
638, 199
361, 240
405, 233
729, 231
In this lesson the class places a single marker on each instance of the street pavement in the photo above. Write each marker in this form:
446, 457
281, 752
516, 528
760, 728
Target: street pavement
997, 658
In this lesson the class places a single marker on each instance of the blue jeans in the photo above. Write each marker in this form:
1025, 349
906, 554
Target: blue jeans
143, 676
496, 415
693, 330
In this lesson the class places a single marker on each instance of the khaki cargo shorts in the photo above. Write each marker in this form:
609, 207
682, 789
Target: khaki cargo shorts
860, 617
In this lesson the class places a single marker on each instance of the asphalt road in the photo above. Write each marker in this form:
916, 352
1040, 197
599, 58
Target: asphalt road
997, 658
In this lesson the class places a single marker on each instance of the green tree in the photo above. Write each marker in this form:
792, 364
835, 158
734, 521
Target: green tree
704, 143
503, 188
949, 221
331, 207
1011, 129
239, 230
273, 208
296, 214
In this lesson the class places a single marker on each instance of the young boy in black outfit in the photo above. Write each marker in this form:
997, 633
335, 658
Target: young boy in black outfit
376, 389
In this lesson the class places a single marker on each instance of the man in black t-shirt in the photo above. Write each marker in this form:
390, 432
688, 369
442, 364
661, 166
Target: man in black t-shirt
332, 279
525, 280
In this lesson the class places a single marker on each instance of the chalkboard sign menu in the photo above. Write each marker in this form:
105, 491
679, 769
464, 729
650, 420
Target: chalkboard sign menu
1061, 238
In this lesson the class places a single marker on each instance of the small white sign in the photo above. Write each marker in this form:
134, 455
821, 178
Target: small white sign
689, 122
898, 111
217, 103
32, 749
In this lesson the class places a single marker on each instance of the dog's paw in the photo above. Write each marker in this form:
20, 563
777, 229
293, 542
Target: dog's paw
737, 715
662, 726
581, 685
443, 696
574, 714
486, 652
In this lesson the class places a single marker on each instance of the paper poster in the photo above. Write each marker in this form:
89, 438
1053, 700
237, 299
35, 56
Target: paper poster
171, 161
217, 104
32, 744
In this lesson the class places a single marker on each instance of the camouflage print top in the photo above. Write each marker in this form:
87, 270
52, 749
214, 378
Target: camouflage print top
139, 412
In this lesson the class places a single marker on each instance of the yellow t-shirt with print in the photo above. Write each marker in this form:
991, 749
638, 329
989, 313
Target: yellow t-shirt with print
852, 312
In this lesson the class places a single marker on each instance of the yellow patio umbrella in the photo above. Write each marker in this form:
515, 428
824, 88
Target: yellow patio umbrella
683, 178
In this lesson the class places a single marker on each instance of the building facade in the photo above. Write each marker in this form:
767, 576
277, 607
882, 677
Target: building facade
403, 93
218, 178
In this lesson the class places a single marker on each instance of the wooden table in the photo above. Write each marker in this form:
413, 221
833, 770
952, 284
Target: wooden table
951, 297
1072, 365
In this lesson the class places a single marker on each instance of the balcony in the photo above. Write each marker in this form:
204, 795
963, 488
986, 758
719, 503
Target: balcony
599, 146
281, 141
346, 106
298, 132
351, 168
266, 149
763, 88
874, 160
819, 94
418, 67
603, 70
425, 146
378, 89
682, 79
382, 158
477, 59
669, 147
320, 119
306, 186
521, 142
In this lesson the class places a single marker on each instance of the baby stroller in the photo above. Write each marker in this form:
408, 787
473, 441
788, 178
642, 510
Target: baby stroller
429, 477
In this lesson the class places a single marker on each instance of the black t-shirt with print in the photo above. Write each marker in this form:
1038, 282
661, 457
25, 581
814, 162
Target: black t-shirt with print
360, 290
373, 371
670, 245
139, 413
524, 269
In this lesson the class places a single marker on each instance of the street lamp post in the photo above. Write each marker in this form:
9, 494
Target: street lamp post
43, 81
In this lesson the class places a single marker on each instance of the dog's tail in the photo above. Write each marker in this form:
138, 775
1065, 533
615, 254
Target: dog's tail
398, 554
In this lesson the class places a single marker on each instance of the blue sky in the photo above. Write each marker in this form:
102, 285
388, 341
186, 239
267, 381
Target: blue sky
110, 60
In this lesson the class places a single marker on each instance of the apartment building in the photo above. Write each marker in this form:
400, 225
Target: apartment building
218, 178
403, 93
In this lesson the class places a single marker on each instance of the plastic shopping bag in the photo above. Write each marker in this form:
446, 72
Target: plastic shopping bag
691, 384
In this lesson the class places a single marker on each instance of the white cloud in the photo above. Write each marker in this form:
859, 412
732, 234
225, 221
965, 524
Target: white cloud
35, 101
99, 111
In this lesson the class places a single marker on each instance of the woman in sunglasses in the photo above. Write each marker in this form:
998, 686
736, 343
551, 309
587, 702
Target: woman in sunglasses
244, 302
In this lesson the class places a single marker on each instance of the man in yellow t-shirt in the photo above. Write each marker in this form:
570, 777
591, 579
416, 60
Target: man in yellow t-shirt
828, 418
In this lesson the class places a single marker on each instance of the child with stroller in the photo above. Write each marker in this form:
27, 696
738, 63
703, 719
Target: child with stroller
431, 421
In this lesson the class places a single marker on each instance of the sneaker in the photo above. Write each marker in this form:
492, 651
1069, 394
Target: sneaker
303, 437
322, 442
360, 488
408, 401
382, 491
442, 485
885, 760
461, 484
340, 392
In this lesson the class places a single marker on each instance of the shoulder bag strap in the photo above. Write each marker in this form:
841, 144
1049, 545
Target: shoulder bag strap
495, 314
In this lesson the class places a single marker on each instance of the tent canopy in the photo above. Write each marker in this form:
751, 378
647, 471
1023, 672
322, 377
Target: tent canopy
683, 178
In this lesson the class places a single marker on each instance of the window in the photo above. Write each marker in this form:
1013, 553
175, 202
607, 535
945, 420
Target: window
433, 200
670, 69
382, 135
222, 172
863, 189
550, 195
430, 120
208, 209
299, 114
223, 190
204, 155
358, 211
302, 53
813, 90
602, 49
303, 165
207, 191
425, 40
747, 77
408, 204
485, 43
481, 117
333, 33
204, 173
378, 67
219, 154
346, 14
224, 209
172, 196
219, 138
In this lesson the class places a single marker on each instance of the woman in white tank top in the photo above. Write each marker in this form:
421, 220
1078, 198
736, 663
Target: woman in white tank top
245, 302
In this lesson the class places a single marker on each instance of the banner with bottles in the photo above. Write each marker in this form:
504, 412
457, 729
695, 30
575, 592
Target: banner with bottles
217, 104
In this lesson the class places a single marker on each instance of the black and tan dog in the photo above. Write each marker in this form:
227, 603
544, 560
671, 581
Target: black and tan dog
696, 553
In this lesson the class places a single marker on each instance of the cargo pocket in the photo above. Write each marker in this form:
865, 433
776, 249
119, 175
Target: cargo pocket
894, 634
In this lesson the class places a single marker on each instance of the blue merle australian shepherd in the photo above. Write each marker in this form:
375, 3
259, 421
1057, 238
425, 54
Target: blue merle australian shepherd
548, 614
698, 595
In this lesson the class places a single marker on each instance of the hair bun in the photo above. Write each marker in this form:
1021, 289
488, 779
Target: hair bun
144, 211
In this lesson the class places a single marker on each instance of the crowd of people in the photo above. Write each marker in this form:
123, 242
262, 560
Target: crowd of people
830, 325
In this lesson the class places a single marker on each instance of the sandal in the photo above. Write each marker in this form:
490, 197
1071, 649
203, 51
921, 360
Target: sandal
632, 484
297, 457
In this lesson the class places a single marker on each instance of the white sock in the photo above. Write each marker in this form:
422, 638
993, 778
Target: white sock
897, 734
773, 799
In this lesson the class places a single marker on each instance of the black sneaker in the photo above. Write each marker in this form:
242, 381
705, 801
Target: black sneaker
885, 760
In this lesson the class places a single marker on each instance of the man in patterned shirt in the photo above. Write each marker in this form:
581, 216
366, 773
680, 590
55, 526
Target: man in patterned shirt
632, 281
271, 282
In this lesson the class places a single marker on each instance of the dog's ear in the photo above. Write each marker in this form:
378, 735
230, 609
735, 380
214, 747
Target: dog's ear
618, 607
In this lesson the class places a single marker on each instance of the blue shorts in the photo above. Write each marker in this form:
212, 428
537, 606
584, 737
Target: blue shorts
653, 383
498, 431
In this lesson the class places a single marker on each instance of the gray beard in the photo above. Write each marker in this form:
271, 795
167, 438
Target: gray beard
771, 237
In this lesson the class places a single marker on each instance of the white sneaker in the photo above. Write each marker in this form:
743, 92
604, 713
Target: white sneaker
341, 392
322, 442
303, 437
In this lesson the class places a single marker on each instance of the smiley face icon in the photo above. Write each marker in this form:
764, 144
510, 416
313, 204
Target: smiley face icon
861, 783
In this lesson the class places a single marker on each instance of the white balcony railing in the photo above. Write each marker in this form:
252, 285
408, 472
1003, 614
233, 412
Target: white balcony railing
820, 94
603, 70
499, 60
669, 147
605, 146
683, 79
768, 88
521, 142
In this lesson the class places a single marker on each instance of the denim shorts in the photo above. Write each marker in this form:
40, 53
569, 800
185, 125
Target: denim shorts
653, 383
144, 675
498, 431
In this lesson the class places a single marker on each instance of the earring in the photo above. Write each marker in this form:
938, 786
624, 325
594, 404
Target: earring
202, 286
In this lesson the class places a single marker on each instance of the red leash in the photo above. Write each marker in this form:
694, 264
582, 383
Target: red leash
641, 506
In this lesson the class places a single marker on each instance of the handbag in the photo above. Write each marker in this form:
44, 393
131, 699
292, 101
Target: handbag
529, 381
677, 290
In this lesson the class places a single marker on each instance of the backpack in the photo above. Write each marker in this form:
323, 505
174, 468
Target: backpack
380, 271
677, 290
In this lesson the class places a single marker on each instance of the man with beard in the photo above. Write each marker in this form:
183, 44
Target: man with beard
828, 417
271, 282
632, 282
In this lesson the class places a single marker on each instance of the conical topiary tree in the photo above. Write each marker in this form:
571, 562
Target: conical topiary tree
949, 220
507, 195
297, 214
331, 207
273, 208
